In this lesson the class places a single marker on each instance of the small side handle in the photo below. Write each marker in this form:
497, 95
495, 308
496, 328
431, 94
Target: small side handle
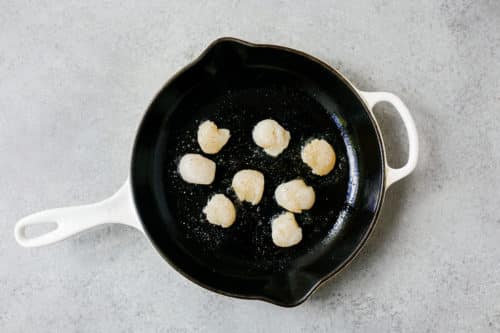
393, 175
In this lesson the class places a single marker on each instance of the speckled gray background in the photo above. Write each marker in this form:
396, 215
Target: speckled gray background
76, 77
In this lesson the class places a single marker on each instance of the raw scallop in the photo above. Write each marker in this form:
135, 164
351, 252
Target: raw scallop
210, 138
285, 230
295, 196
220, 211
271, 136
249, 185
319, 156
197, 169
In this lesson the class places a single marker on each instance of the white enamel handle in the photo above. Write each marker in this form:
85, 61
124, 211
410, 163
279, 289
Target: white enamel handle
70, 221
393, 175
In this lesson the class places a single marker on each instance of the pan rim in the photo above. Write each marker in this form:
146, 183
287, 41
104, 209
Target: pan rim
379, 203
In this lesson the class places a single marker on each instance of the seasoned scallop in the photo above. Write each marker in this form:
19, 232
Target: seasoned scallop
249, 185
285, 230
295, 196
220, 211
319, 156
210, 138
271, 136
197, 169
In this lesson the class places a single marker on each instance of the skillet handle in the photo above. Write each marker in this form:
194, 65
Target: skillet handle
393, 175
70, 221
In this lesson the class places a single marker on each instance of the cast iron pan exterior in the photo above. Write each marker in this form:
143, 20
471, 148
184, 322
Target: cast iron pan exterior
236, 84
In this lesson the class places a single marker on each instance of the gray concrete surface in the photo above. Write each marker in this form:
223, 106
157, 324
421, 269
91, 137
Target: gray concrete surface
76, 77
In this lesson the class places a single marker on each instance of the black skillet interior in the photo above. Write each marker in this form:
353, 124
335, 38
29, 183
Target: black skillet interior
237, 84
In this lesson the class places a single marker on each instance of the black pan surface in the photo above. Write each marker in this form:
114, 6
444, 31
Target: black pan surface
237, 84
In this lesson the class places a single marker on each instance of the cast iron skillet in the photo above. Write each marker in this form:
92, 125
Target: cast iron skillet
236, 84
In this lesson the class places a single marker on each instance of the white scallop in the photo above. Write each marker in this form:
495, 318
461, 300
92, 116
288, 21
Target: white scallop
249, 185
197, 169
319, 156
271, 136
220, 211
295, 196
285, 230
210, 138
